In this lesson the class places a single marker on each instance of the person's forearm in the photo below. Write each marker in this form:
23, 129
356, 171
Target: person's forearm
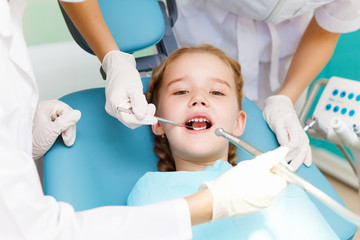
88, 19
313, 53
201, 206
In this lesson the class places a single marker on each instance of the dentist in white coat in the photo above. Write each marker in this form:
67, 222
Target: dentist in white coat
25, 213
282, 45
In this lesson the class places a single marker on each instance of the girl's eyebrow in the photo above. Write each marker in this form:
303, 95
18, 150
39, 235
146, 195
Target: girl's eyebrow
175, 81
222, 81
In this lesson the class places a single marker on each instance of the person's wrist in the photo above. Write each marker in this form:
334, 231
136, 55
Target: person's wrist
120, 59
276, 99
201, 206
292, 92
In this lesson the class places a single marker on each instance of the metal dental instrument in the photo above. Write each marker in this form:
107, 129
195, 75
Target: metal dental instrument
158, 118
292, 177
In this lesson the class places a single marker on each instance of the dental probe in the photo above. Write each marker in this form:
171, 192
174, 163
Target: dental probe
292, 177
158, 118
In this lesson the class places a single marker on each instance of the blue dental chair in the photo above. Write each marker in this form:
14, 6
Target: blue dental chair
107, 159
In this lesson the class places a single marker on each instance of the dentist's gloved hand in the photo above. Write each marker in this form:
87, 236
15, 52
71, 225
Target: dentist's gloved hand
280, 114
247, 187
124, 89
51, 119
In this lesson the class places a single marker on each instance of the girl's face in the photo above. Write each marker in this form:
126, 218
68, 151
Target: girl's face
198, 90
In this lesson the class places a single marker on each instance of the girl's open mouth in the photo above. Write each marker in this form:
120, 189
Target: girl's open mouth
198, 123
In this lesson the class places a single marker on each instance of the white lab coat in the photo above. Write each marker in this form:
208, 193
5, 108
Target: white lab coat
261, 34
25, 213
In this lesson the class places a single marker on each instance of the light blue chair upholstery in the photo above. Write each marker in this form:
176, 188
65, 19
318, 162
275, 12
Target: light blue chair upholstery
107, 159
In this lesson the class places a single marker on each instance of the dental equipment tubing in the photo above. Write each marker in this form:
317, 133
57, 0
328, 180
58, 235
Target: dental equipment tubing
292, 177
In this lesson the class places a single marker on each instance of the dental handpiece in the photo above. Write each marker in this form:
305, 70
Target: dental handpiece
292, 177
278, 169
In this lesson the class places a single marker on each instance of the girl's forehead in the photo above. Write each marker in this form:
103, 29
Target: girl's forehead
206, 57
198, 62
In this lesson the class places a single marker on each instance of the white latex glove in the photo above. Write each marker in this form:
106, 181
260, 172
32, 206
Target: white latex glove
247, 187
280, 114
51, 119
124, 89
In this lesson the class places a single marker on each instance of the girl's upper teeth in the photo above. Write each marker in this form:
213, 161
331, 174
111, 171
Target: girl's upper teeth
198, 120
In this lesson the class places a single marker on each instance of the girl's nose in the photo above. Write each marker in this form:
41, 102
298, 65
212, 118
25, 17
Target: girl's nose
199, 99
198, 103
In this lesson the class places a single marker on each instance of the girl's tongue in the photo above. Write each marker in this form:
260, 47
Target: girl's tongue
199, 125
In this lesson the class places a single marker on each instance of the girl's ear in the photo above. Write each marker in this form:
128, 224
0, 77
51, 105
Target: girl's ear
240, 123
157, 129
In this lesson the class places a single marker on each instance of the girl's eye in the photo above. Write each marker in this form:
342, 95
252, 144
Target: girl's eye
181, 92
216, 93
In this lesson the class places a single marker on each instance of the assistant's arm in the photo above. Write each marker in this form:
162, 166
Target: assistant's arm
88, 19
313, 53
123, 86
318, 43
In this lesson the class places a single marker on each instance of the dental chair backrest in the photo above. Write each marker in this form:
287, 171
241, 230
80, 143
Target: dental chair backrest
145, 26
107, 159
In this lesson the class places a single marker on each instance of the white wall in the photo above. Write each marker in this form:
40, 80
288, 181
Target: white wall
62, 68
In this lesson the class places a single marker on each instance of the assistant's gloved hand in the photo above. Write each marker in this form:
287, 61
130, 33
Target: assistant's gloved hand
51, 119
280, 114
247, 187
124, 89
